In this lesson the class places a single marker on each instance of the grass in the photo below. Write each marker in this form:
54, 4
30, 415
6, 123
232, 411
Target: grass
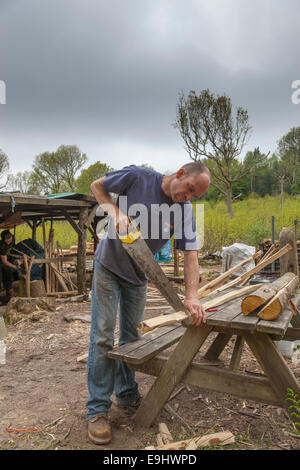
250, 225
251, 222
64, 234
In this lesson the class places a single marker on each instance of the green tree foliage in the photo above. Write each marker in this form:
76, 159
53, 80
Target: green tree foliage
55, 172
90, 174
212, 130
289, 152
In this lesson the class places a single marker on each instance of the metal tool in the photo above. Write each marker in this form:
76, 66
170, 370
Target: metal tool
141, 254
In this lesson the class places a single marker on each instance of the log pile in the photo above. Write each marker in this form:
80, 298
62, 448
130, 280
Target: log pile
56, 279
170, 319
165, 440
272, 298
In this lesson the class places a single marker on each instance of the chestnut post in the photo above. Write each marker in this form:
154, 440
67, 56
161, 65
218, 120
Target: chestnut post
81, 252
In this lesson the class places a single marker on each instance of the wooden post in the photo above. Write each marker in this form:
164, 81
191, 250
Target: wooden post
176, 259
81, 252
217, 346
237, 353
289, 261
34, 225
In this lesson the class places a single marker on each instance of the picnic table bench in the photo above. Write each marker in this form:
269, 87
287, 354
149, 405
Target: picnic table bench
270, 387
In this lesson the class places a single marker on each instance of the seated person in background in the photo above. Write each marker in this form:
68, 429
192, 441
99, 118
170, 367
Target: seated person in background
9, 271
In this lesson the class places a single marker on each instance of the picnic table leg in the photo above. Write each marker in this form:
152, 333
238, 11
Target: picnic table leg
171, 374
237, 353
217, 346
275, 367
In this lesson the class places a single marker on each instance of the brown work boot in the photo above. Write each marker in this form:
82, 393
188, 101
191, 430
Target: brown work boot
133, 405
99, 430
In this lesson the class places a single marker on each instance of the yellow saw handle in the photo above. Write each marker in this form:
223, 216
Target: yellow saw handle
131, 236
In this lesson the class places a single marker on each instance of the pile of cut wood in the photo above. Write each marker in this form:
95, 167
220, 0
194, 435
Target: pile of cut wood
165, 440
270, 298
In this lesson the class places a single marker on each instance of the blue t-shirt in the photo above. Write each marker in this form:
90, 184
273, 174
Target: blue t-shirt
140, 196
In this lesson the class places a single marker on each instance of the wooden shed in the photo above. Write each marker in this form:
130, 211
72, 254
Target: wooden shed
78, 209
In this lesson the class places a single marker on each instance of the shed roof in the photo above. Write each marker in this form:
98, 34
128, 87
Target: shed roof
14, 206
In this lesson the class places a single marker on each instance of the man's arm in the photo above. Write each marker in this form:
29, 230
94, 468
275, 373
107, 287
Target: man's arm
104, 199
5, 262
191, 278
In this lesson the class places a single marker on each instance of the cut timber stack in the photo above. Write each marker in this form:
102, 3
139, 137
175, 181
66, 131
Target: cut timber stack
74, 248
170, 319
272, 297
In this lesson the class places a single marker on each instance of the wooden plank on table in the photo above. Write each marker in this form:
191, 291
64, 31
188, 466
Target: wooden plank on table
224, 316
292, 334
246, 386
275, 327
244, 322
150, 349
164, 337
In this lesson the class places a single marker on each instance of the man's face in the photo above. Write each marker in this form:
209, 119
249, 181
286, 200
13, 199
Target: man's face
185, 187
8, 240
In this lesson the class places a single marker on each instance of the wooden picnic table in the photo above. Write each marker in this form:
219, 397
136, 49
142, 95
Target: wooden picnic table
270, 387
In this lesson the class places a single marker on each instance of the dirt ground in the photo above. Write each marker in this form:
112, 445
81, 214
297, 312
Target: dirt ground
43, 387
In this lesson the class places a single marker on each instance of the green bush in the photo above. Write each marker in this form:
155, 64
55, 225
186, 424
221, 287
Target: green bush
251, 222
64, 234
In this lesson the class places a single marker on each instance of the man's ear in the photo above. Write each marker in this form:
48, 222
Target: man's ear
181, 172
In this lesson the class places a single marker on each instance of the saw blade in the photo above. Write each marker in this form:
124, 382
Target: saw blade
143, 257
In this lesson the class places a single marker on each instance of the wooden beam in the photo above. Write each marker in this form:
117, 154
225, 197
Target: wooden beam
205, 290
81, 253
217, 346
90, 217
256, 269
72, 222
243, 385
162, 320
57, 259
288, 262
280, 375
237, 353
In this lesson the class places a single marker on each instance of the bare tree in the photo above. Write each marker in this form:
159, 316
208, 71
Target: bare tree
4, 166
211, 130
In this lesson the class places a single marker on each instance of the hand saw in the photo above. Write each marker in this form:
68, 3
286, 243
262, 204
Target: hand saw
141, 254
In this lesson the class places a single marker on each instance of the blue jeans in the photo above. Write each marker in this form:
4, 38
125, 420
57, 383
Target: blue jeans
107, 376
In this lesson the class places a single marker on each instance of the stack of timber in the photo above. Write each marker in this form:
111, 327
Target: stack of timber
219, 284
272, 297
163, 320
276, 268
57, 280
165, 440
223, 282
73, 250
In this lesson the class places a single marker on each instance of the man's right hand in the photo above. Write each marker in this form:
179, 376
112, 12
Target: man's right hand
122, 223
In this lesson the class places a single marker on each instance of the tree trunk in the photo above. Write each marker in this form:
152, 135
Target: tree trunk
265, 293
281, 192
229, 200
277, 304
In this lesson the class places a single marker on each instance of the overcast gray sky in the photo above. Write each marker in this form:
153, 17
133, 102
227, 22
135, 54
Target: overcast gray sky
105, 74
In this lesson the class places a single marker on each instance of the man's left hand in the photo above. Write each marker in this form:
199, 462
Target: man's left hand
196, 310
